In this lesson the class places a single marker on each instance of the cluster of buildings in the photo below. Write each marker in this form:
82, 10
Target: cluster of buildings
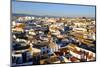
49, 40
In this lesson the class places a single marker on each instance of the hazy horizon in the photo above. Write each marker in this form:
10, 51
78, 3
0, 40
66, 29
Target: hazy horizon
50, 9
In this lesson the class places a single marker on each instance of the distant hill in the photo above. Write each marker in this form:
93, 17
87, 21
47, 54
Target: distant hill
14, 14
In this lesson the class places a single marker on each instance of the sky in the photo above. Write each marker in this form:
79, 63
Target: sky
50, 9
